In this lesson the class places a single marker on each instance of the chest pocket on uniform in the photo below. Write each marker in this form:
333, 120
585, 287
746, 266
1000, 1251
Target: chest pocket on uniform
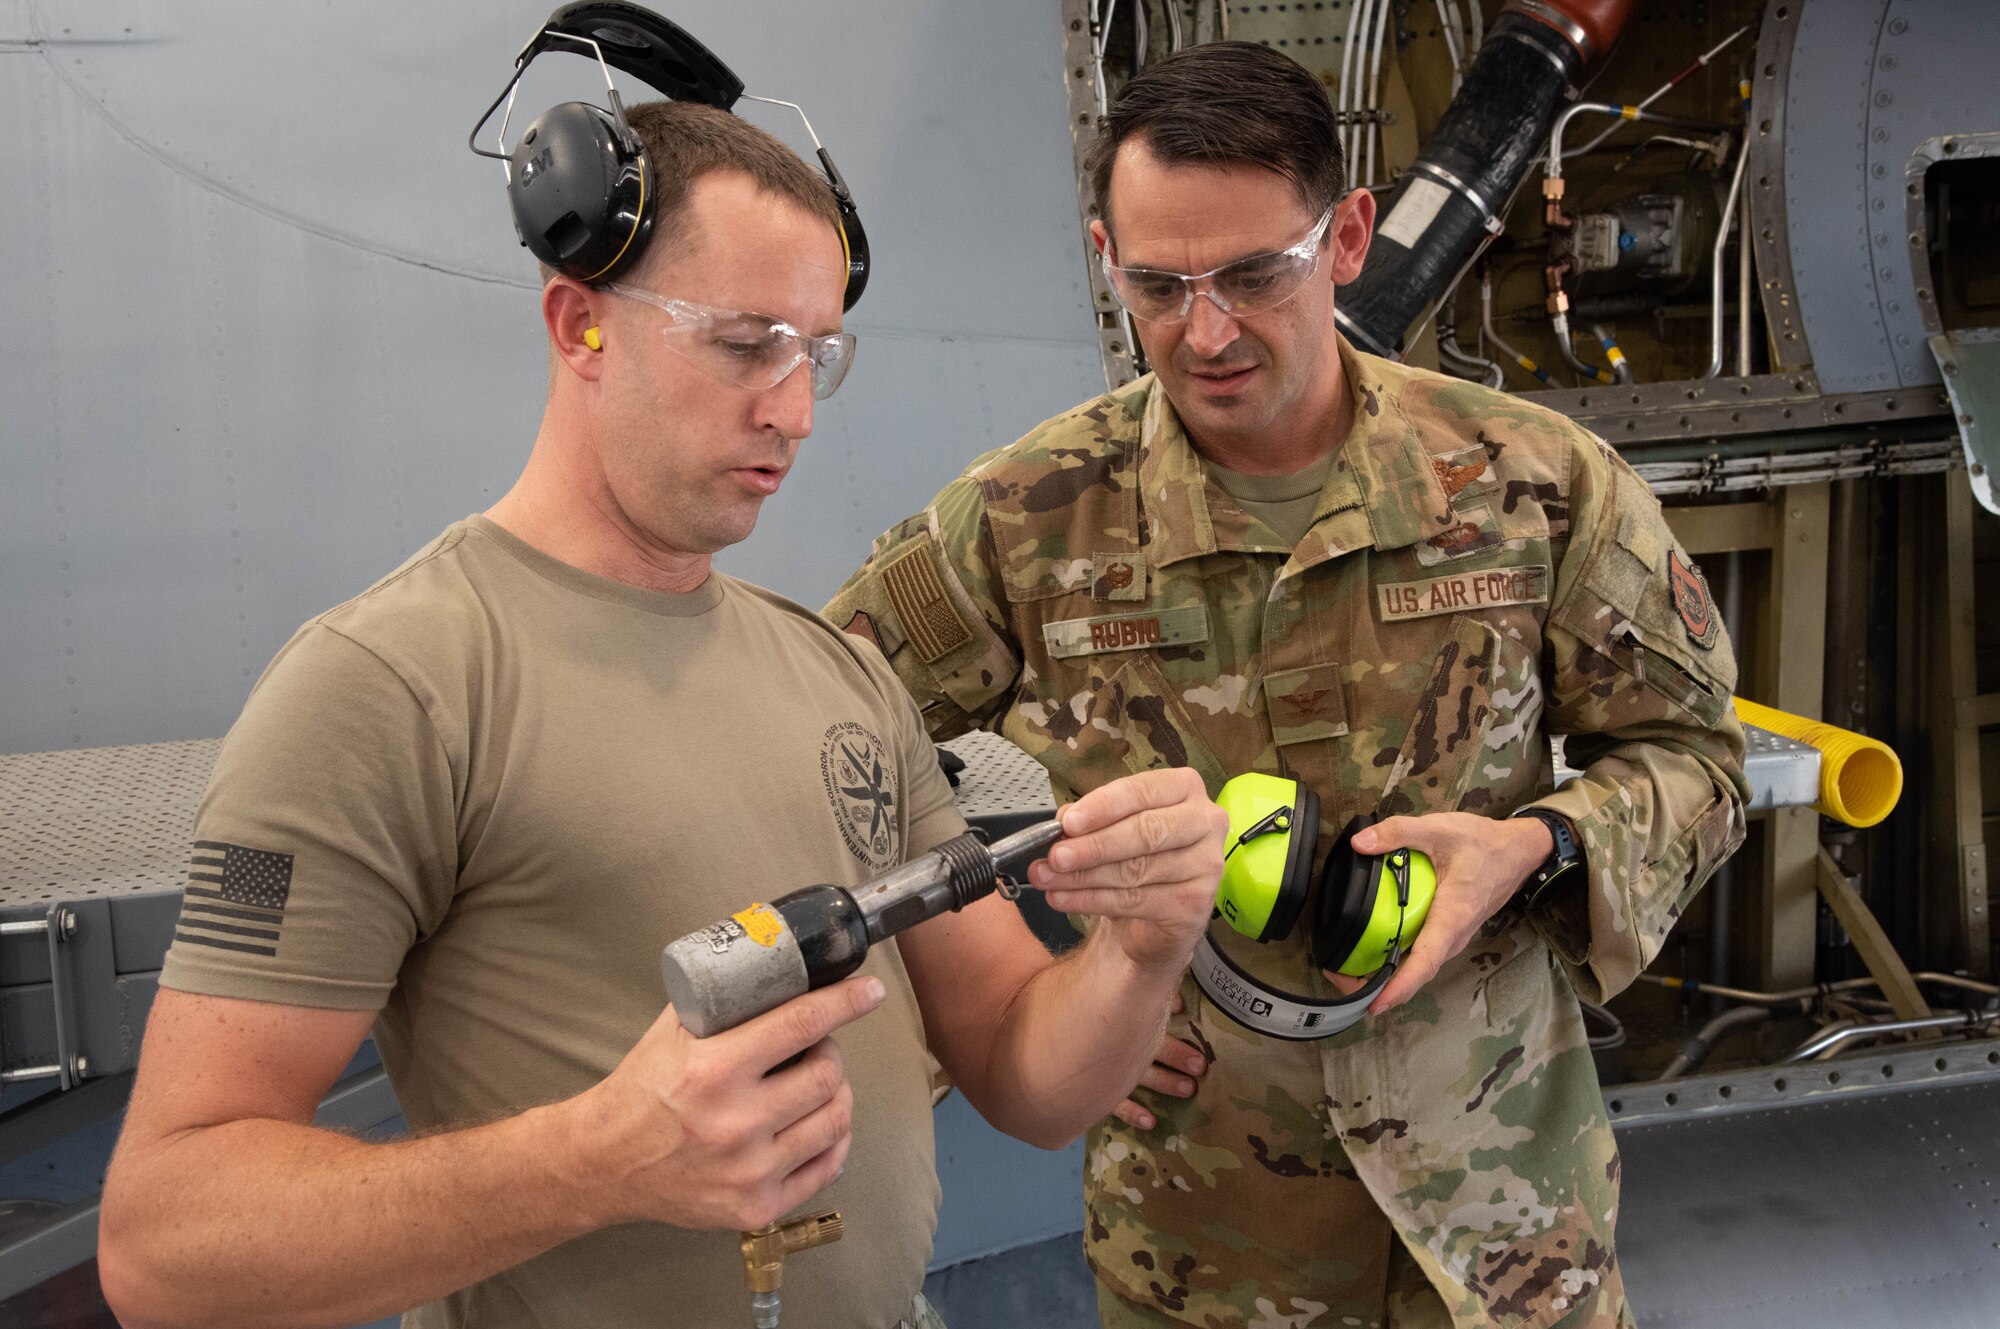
1440, 753
1124, 719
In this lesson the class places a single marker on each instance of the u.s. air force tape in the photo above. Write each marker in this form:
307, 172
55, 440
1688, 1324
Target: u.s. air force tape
1267, 1010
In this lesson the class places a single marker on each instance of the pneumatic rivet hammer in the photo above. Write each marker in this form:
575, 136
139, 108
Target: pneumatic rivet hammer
761, 957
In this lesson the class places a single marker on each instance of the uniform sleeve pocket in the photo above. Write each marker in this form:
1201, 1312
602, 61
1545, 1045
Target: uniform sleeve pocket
1644, 605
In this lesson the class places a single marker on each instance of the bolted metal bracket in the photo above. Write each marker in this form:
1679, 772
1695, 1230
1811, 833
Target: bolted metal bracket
62, 925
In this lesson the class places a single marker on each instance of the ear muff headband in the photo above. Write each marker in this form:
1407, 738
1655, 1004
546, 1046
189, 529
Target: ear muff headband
584, 221
1232, 989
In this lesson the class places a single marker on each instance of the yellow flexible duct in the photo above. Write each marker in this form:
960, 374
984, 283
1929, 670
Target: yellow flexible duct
1860, 778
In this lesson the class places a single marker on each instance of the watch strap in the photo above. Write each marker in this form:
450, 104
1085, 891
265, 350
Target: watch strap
1565, 857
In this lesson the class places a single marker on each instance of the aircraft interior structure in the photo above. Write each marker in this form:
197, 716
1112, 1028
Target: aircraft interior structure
267, 329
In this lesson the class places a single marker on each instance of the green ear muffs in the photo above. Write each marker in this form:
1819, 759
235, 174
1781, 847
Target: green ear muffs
1370, 905
1267, 865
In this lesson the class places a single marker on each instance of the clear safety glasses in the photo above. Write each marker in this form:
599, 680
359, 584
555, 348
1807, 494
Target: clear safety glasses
1261, 281
750, 350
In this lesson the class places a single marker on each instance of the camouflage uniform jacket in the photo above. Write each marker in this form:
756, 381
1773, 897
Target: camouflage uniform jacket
1480, 574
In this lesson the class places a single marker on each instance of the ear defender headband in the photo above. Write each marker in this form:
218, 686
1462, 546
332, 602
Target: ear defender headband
581, 186
1371, 907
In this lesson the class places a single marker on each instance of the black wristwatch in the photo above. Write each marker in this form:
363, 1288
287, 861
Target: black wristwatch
1565, 858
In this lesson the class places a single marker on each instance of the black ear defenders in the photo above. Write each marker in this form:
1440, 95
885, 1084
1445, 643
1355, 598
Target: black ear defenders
579, 181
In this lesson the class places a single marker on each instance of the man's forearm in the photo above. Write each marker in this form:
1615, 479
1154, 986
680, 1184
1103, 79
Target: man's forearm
279, 1225
1074, 1042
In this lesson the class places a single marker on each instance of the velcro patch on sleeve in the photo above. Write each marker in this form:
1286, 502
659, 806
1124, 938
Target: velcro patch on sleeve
1125, 632
917, 592
1462, 591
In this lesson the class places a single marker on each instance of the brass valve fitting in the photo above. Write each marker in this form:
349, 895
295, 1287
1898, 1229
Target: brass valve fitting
764, 1250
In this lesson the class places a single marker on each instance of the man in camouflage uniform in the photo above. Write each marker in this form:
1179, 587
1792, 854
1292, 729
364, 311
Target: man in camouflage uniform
1145, 582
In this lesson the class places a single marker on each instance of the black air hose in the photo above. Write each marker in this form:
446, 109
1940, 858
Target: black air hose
1454, 195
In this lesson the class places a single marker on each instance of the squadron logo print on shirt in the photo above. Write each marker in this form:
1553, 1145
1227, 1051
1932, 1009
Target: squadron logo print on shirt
861, 786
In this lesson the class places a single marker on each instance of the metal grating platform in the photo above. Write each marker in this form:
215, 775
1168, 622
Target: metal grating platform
98, 822
999, 779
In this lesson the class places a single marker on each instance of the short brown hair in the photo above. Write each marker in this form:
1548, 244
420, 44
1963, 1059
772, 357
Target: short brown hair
687, 140
1226, 104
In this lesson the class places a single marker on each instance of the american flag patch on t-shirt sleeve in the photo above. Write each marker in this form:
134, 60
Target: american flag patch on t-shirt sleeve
235, 899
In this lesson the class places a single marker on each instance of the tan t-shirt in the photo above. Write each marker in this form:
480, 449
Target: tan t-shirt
1285, 503
480, 798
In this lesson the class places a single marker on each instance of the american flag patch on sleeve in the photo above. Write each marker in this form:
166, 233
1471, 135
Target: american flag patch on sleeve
235, 898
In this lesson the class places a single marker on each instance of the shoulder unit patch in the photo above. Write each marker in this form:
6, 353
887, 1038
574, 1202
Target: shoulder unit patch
1692, 601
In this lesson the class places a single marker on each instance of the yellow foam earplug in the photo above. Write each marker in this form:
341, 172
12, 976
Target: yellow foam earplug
593, 339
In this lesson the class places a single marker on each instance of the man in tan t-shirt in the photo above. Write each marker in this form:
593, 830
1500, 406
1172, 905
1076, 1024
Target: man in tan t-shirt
468, 807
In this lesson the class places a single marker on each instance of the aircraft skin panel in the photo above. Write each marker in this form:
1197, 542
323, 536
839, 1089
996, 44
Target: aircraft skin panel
268, 328
1860, 1214
1871, 80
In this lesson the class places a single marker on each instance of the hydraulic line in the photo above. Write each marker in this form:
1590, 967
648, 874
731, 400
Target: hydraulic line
1744, 280
1613, 1036
1493, 335
1693, 986
1623, 112
1448, 27
1828, 1040
1349, 93
1373, 129
1715, 339
1743, 286
1619, 367
1559, 323
1476, 367
1693, 1052
1700, 62
1487, 371
1452, 198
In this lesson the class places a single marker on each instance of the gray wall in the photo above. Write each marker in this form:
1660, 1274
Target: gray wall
266, 328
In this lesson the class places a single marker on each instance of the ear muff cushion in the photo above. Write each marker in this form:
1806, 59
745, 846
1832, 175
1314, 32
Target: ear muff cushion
1361, 916
854, 241
1297, 885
